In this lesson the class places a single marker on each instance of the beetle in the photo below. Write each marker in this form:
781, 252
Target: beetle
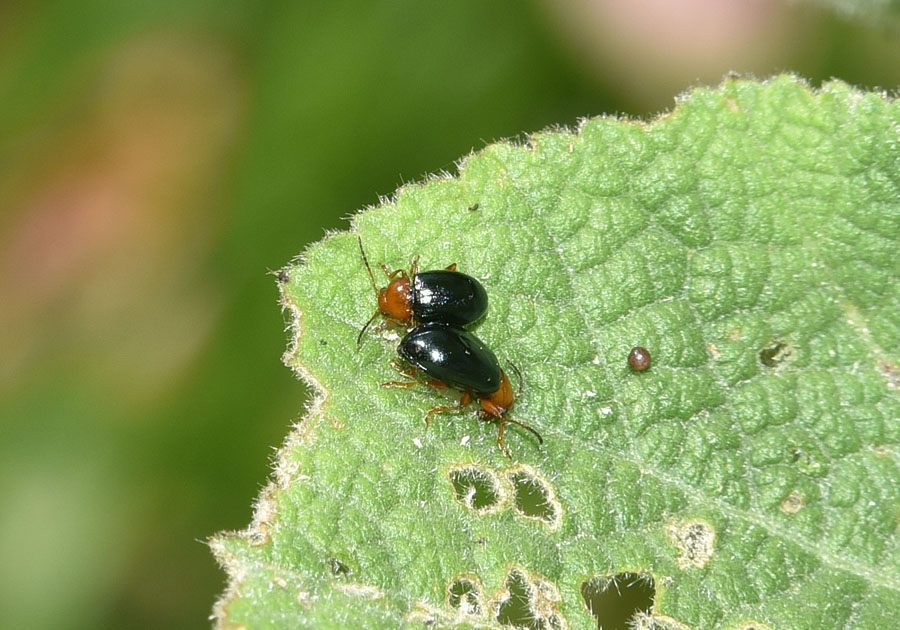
450, 356
414, 297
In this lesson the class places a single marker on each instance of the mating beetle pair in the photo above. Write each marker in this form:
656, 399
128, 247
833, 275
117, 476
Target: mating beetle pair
438, 304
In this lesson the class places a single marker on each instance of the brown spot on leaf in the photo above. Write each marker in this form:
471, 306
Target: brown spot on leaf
793, 503
695, 540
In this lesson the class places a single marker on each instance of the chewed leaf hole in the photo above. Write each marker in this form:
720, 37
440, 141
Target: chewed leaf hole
529, 602
478, 489
774, 354
515, 610
466, 595
533, 496
646, 621
615, 600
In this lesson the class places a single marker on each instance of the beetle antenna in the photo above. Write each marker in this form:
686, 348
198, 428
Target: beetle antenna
374, 288
524, 426
365, 328
518, 375
369, 269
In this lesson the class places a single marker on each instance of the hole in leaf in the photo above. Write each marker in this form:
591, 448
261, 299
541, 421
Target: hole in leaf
775, 353
527, 604
646, 621
466, 594
615, 600
477, 489
515, 611
338, 568
534, 497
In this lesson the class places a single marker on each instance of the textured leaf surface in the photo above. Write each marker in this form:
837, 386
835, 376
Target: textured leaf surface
749, 241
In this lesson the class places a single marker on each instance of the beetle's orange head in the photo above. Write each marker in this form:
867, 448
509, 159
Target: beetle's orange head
499, 402
395, 300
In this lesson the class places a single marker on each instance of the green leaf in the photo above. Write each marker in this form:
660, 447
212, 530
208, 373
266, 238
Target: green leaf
870, 9
749, 241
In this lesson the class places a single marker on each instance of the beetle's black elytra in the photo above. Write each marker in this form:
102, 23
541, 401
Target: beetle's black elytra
447, 296
452, 356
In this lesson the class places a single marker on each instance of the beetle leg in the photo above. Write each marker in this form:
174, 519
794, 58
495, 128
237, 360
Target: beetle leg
392, 274
451, 267
411, 372
406, 384
414, 266
489, 416
415, 383
500, 441
380, 325
519, 374
463, 401
524, 426
502, 420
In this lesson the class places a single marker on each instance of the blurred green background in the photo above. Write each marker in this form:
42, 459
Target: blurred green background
158, 159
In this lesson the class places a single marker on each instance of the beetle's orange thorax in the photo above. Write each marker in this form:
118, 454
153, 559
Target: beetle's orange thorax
394, 300
498, 403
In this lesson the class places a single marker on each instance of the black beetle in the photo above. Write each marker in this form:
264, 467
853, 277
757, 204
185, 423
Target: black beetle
453, 357
441, 295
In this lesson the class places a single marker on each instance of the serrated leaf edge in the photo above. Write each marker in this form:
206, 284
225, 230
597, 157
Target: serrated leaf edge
265, 510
